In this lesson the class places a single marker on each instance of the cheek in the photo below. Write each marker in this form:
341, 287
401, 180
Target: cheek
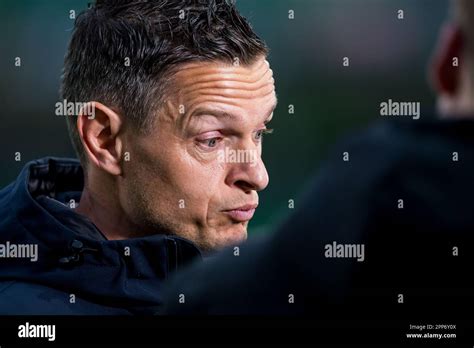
148, 180
201, 183
175, 177
140, 191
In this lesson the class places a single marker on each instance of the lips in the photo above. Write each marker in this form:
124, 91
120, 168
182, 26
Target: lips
243, 213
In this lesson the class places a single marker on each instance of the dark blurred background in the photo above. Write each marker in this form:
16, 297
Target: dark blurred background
388, 58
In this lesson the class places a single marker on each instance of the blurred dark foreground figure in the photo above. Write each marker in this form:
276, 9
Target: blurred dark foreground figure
385, 231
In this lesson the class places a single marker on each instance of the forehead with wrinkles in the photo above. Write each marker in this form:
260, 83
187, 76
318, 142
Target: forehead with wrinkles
222, 85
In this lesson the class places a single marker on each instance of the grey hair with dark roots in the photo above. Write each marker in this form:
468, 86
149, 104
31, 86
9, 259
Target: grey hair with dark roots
156, 36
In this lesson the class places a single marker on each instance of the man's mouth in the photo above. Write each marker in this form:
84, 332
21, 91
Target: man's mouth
243, 213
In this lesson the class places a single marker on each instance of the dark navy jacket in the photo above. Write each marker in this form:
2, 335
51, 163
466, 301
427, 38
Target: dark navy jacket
77, 271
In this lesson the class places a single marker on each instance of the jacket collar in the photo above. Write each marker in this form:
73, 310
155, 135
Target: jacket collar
126, 270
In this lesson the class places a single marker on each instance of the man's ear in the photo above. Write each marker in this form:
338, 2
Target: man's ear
99, 128
444, 73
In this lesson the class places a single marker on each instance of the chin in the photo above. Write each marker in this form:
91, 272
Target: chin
233, 236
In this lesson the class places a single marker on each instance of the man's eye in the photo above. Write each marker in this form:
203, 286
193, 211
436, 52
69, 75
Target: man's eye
211, 142
261, 132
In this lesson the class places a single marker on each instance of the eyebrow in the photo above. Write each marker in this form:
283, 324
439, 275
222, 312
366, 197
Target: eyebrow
210, 111
219, 113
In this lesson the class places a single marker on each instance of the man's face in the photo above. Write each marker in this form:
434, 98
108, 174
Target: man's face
198, 173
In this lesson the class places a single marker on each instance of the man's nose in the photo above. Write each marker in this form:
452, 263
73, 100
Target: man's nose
249, 175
